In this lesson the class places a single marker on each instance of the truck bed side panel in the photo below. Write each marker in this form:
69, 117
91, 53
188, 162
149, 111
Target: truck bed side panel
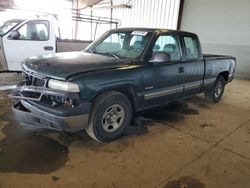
215, 65
71, 45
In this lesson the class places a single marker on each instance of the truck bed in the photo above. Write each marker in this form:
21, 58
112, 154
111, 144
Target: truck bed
214, 57
217, 64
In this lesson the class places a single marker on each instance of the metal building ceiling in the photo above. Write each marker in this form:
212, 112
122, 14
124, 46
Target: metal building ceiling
86, 3
82, 3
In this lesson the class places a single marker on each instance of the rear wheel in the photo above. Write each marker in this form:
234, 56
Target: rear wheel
111, 114
217, 91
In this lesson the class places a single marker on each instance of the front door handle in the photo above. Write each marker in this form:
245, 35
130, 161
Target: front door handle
181, 69
48, 48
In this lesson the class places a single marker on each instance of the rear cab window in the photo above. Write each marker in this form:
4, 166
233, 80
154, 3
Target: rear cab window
191, 48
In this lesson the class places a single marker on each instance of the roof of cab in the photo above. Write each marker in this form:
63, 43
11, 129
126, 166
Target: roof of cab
160, 30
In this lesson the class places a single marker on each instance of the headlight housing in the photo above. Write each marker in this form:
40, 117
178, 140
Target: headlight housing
64, 86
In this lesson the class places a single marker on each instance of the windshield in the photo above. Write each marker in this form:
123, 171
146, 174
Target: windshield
8, 25
130, 44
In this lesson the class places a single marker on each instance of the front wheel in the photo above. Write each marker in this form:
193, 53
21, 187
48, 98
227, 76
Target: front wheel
217, 91
111, 114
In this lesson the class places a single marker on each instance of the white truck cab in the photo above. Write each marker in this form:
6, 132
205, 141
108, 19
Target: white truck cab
21, 39
24, 38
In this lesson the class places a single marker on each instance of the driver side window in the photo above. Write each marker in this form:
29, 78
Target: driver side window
34, 30
168, 44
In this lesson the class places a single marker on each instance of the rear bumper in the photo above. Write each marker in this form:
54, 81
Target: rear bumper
62, 119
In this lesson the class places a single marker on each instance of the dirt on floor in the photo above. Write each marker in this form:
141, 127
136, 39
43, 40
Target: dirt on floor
189, 143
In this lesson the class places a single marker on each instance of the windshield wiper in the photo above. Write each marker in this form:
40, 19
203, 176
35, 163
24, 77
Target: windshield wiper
113, 54
90, 51
104, 53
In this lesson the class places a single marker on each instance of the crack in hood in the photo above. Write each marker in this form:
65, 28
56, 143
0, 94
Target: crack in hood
63, 65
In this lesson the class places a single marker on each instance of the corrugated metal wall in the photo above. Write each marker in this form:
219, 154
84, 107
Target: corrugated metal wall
143, 13
148, 13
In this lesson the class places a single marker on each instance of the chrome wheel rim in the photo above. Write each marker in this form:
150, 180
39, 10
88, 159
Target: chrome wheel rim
218, 89
113, 118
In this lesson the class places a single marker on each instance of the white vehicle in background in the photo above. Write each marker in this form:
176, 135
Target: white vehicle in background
21, 39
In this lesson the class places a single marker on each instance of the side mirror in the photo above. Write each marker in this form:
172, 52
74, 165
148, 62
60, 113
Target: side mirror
160, 57
14, 35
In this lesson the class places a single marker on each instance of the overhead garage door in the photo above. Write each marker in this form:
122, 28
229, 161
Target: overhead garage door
223, 27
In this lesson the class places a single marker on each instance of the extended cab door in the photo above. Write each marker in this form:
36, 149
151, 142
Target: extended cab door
193, 64
164, 81
33, 37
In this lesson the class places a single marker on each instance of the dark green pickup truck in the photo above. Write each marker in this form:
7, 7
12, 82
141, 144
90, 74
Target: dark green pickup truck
125, 71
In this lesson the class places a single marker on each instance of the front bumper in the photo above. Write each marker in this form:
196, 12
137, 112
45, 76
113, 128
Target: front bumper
29, 113
39, 106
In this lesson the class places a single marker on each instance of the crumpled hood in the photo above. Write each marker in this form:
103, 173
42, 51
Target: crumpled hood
64, 65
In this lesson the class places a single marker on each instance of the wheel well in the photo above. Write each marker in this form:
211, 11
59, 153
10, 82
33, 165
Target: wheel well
128, 92
225, 75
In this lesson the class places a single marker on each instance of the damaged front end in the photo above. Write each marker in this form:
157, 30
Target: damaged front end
39, 105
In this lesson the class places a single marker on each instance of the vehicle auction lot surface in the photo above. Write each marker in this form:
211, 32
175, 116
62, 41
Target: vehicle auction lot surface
189, 143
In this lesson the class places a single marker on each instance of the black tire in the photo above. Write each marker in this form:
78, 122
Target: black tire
217, 91
101, 107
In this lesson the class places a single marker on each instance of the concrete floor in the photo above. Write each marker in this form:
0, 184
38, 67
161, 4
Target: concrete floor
187, 144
